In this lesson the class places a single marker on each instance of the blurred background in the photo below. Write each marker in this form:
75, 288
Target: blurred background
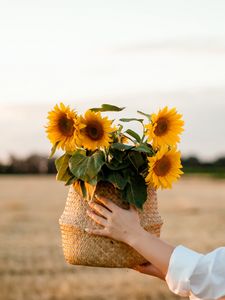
143, 55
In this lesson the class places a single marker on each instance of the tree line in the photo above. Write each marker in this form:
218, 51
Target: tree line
38, 164
33, 164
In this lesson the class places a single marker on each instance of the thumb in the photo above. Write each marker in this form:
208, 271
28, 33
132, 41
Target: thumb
132, 207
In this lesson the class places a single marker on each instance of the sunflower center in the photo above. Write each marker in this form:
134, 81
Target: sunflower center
94, 131
161, 127
66, 126
162, 166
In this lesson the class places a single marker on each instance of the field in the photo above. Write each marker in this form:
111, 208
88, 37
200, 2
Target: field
32, 265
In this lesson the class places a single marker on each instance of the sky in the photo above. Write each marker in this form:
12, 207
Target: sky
139, 54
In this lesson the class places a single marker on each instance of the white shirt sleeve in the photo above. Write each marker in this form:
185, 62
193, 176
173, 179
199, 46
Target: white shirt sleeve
192, 274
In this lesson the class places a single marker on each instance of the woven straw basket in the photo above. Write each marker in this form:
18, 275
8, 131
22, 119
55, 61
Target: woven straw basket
82, 248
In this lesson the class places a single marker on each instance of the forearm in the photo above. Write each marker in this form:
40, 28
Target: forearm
152, 249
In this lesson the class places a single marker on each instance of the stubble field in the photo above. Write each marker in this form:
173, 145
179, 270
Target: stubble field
32, 265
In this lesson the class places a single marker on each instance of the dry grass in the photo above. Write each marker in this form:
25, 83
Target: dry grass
32, 265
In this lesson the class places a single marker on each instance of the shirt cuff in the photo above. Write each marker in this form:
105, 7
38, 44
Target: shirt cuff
181, 266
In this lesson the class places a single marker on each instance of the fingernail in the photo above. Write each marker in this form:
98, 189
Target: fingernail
87, 229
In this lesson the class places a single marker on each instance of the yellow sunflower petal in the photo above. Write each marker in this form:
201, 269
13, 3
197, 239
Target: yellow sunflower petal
97, 131
62, 127
164, 168
165, 127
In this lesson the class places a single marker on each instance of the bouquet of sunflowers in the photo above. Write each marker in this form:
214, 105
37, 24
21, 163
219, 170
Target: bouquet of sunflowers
96, 150
105, 159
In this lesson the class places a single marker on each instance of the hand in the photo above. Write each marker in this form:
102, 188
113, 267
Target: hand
149, 269
118, 223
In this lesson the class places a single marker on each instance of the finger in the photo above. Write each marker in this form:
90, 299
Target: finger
108, 203
102, 210
150, 270
98, 219
143, 266
102, 232
144, 269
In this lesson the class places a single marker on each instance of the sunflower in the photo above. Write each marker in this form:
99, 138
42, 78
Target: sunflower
164, 167
96, 131
165, 127
63, 127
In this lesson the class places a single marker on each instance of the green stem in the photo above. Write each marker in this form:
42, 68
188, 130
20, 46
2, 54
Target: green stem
143, 136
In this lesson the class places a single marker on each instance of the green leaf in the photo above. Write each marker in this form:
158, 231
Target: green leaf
81, 151
83, 189
100, 175
107, 107
71, 180
120, 146
131, 119
62, 167
120, 127
54, 147
117, 156
133, 134
136, 191
86, 167
146, 115
93, 181
128, 172
136, 159
117, 166
143, 148
116, 179
81, 184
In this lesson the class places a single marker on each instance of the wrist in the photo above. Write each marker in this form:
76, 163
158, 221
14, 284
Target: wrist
136, 236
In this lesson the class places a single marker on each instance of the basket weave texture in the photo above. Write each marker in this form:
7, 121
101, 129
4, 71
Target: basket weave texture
82, 248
